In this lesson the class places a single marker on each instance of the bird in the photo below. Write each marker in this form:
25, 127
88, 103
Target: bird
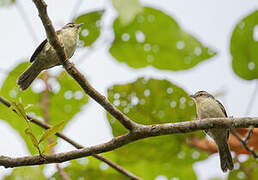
208, 107
45, 56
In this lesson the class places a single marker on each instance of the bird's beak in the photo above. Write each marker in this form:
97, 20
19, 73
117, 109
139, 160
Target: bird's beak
192, 96
79, 25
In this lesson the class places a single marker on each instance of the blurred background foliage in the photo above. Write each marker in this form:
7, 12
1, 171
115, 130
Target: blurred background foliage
144, 36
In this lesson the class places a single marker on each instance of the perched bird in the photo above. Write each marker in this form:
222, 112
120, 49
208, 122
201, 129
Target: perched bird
46, 57
208, 107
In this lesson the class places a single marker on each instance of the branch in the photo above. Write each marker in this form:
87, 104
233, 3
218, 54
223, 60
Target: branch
249, 134
143, 131
77, 145
244, 142
72, 70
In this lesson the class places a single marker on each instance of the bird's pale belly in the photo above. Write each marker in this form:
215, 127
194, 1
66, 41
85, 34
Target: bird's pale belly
211, 109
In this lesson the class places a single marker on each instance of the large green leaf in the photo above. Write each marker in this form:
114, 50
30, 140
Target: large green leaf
90, 168
66, 99
6, 2
28, 173
127, 10
155, 39
244, 47
152, 101
90, 30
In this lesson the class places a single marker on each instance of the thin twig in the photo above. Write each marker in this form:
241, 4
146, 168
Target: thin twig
62, 173
76, 145
45, 98
249, 134
118, 168
26, 22
45, 103
233, 131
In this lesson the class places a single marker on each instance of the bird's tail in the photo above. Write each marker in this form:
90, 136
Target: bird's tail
25, 80
226, 161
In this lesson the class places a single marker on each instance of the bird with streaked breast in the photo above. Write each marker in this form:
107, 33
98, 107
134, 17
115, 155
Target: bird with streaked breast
208, 107
46, 57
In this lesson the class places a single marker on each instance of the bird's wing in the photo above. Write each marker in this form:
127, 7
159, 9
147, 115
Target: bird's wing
224, 111
40, 47
38, 50
222, 108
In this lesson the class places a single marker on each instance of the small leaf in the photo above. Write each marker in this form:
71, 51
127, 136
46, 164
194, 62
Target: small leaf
19, 109
50, 132
28, 106
32, 138
49, 147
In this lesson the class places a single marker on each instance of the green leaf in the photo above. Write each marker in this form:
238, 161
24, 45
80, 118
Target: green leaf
244, 47
153, 101
155, 39
150, 101
66, 100
90, 30
48, 147
28, 173
245, 171
32, 138
19, 108
127, 10
52, 131
90, 168
6, 2
164, 155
